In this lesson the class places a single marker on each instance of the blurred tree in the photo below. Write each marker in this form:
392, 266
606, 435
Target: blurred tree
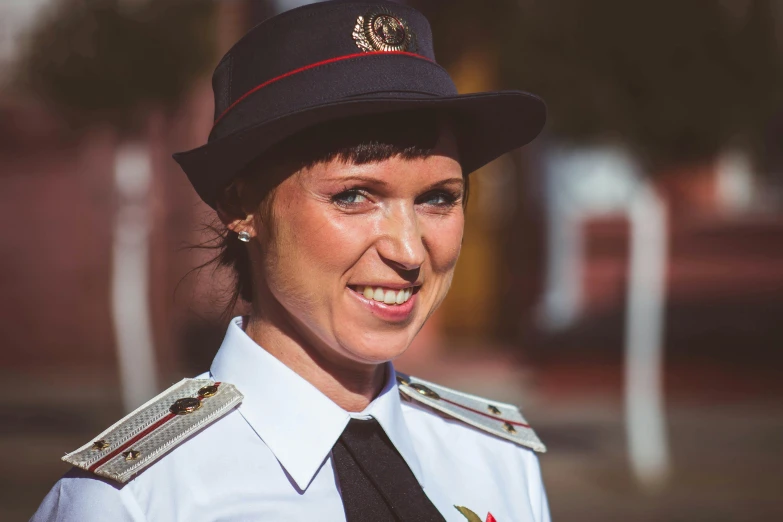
108, 60
674, 81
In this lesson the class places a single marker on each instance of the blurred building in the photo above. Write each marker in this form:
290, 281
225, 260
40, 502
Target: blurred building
59, 194
61, 182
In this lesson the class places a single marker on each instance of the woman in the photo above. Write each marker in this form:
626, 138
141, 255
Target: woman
338, 163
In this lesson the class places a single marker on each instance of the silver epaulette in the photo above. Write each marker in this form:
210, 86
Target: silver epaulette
145, 435
497, 418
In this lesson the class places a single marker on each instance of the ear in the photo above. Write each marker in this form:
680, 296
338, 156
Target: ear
243, 225
237, 225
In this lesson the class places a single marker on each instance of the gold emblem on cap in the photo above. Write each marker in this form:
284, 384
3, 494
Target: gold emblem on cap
382, 30
493, 409
100, 445
509, 428
185, 406
131, 455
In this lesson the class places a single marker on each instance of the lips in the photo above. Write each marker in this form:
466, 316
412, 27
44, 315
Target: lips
391, 304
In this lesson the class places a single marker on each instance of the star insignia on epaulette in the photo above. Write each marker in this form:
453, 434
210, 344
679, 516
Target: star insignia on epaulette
100, 445
131, 455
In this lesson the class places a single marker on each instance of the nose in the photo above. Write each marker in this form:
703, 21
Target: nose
401, 243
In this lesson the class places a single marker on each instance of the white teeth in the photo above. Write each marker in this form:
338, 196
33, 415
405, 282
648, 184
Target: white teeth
385, 295
390, 297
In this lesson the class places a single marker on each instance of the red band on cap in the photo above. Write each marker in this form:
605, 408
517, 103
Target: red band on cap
311, 66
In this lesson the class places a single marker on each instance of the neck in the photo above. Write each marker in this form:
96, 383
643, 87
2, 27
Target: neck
349, 384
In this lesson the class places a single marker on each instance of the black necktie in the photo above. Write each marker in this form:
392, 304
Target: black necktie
375, 482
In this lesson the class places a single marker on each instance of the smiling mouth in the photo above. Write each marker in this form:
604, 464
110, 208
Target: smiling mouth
387, 296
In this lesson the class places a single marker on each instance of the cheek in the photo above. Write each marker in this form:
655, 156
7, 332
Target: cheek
312, 250
443, 238
331, 242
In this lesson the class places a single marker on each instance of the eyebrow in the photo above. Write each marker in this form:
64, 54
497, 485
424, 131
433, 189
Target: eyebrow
363, 179
450, 181
379, 182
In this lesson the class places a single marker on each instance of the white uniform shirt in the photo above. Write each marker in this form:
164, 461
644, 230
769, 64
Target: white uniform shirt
269, 459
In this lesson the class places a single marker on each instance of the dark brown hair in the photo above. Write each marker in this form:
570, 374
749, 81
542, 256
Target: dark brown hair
363, 140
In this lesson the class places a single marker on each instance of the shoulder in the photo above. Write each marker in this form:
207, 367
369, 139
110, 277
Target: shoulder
100, 486
481, 416
82, 496
479, 447
142, 437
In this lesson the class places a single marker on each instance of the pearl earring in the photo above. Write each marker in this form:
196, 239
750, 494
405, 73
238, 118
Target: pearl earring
244, 237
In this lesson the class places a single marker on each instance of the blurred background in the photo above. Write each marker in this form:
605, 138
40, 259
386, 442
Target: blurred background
621, 278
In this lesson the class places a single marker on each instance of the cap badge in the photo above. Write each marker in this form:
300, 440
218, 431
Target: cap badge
382, 30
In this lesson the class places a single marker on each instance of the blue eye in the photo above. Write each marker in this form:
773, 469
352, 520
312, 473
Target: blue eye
439, 199
349, 197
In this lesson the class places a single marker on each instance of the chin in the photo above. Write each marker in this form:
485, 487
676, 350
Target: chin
377, 348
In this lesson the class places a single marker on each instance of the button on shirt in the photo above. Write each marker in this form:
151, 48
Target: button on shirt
269, 459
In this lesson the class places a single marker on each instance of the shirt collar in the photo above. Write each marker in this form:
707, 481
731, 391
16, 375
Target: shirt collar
297, 422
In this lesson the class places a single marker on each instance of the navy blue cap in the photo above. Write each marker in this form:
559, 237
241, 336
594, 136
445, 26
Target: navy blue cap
339, 59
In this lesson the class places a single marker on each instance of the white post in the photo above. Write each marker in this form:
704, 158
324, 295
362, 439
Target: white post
561, 305
130, 276
644, 402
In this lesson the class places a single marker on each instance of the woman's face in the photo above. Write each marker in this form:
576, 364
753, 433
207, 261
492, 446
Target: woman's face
357, 257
